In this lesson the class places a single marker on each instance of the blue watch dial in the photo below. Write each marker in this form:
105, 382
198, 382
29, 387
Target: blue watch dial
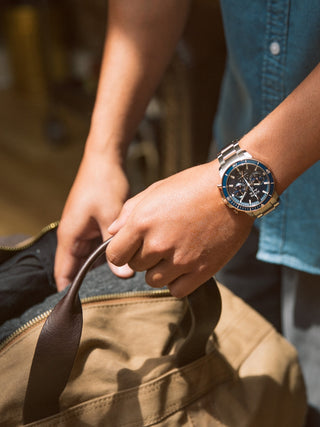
247, 185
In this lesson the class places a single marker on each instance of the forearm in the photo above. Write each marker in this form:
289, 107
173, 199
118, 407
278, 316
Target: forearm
140, 41
288, 139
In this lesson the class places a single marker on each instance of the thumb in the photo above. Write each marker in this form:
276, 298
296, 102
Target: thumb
125, 213
120, 221
115, 227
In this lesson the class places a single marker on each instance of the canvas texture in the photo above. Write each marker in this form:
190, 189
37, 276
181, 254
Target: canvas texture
125, 373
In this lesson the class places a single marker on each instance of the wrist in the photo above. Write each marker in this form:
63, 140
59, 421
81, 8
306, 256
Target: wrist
109, 147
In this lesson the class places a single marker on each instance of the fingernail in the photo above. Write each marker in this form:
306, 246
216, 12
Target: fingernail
112, 227
124, 271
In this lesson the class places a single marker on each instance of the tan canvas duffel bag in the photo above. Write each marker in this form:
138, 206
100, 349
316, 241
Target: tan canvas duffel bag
146, 358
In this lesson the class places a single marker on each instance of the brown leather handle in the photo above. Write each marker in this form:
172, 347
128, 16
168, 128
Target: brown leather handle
59, 340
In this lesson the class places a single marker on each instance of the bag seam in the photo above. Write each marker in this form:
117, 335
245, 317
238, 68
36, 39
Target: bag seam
100, 402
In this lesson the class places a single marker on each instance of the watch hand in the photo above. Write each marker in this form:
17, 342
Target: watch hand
243, 196
251, 189
248, 185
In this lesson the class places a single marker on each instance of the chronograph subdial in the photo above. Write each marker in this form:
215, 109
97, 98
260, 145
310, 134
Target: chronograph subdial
239, 190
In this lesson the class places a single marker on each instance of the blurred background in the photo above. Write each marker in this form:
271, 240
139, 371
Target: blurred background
50, 55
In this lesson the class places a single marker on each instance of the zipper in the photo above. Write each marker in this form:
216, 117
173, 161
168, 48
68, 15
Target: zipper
93, 299
25, 244
23, 328
129, 295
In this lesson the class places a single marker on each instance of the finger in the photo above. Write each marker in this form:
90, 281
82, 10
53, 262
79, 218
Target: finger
73, 246
122, 247
118, 223
163, 274
123, 216
123, 271
69, 259
186, 284
144, 259
126, 211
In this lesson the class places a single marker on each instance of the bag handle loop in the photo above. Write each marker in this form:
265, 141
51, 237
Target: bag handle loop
59, 341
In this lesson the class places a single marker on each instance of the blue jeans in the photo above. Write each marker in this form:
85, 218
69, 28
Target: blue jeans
290, 300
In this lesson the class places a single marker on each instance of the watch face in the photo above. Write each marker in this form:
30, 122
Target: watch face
247, 185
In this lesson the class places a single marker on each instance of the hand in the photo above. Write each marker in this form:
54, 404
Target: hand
95, 200
178, 230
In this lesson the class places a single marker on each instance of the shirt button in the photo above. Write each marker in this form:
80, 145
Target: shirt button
274, 48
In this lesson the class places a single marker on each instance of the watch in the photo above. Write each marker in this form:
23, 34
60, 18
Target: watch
247, 184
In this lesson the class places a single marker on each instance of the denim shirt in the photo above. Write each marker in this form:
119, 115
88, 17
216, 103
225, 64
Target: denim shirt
272, 46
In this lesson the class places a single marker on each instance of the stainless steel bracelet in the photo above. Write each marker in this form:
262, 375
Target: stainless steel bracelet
228, 155
269, 207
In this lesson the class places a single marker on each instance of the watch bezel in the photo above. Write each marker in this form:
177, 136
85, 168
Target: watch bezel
239, 206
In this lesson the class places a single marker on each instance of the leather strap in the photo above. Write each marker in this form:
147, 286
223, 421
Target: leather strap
59, 340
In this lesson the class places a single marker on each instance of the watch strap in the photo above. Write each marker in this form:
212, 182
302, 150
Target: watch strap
230, 154
269, 207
